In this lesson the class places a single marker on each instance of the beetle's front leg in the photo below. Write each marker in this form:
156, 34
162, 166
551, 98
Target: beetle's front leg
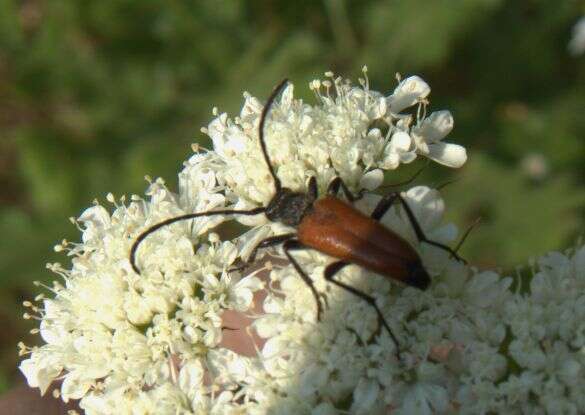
265, 243
337, 183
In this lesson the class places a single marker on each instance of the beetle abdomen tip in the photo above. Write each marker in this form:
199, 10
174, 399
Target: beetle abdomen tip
419, 278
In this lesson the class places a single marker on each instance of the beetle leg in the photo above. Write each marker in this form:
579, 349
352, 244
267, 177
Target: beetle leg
265, 243
312, 191
338, 182
294, 244
383, 205
357, 336
334, 268
388, 200
330, 272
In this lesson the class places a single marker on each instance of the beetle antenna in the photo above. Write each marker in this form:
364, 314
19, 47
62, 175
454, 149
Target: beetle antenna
447, 183
277, 90
466, 234
409, 180
188, 216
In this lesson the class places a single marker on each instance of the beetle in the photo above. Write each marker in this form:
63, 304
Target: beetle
331, 226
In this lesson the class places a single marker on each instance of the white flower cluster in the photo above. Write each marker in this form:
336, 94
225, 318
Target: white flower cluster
124, 343
151, 343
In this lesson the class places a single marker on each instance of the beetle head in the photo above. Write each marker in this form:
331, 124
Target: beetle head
288, 207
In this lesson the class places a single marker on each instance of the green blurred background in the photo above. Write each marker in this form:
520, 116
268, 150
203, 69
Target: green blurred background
96, 94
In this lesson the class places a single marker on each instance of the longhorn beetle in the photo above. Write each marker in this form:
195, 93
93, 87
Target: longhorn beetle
331, 226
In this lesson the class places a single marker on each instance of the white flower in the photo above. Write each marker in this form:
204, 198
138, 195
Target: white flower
425, 399
428, 135
41, 370
398, 150
577, 43
111, 334
548, 329
410, 91
152, 343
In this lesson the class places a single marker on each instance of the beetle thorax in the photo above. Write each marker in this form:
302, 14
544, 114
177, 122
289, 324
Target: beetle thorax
288, 207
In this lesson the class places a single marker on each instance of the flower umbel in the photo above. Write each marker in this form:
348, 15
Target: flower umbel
152, 343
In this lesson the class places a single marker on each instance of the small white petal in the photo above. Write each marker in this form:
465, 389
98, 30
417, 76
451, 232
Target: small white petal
486, 288
372, 179
75, 386
451, 155
425, 399
408, 92
30, 369
97, 215
286, 98
577, 43
380, 109
391, 161
249, 240
570, 370
41, 372
324, 408
401, 141
137, 309
191, 377
435, 127
407, 157
426, 204
266, 326
365, 396
242, 294
249, 220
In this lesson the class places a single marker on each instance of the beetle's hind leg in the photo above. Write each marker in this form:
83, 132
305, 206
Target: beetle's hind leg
337, 266
294, 244
388, 200
333, 269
